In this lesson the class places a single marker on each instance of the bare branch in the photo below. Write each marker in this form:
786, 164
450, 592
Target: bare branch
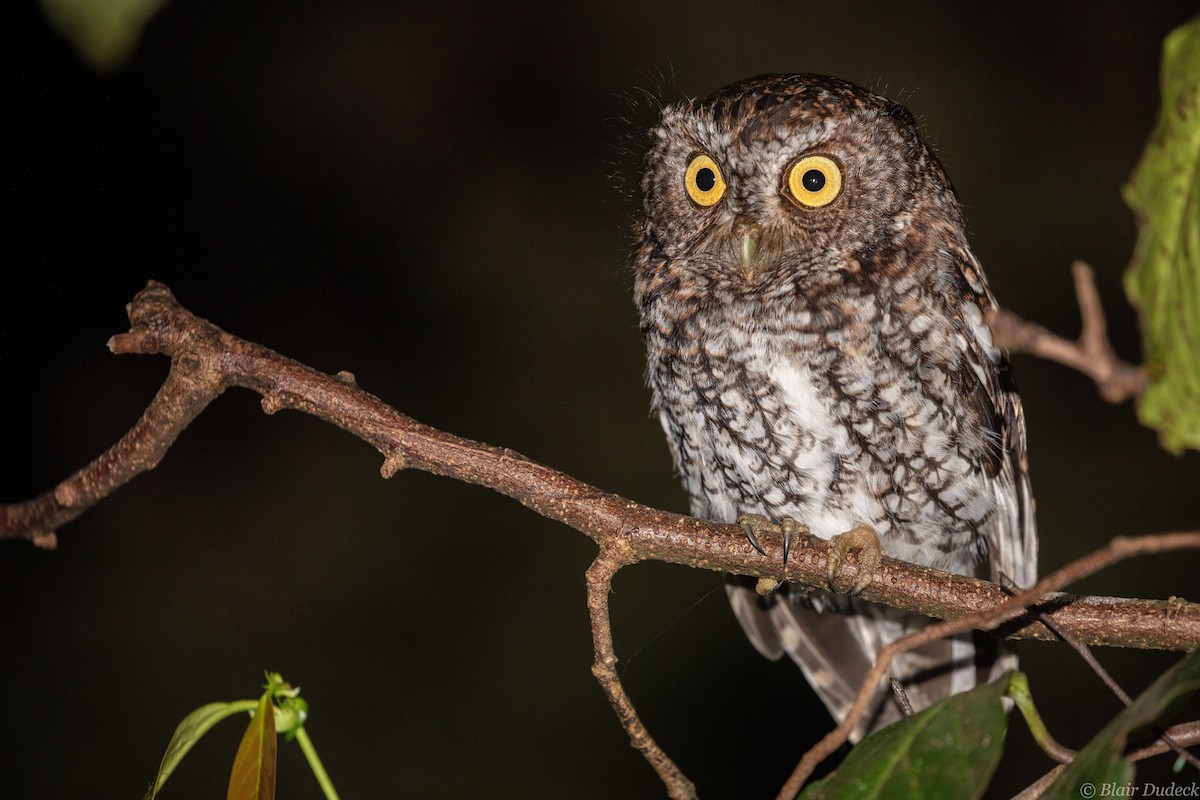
1089, 657
599, 584
205, 361
1092, 354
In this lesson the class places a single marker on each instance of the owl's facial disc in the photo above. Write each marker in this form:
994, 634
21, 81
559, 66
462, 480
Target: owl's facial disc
749, 235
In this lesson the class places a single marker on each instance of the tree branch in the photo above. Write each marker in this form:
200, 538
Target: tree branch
205, 361
1103, 674
599, 586
1092, 354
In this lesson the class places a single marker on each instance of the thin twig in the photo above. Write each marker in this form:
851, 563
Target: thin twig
1185, 734
1092, 353
989, 619
599, 584
1086, 654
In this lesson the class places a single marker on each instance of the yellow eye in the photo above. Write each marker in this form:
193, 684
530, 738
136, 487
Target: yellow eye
814, 181
703, 181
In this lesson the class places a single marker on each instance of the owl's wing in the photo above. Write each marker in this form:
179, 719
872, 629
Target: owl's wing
986, 379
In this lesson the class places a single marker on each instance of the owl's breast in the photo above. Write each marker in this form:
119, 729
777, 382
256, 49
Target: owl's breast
752, 425
823, 425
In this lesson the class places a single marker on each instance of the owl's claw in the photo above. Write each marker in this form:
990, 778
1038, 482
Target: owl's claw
750, 525
754, 525
863, 539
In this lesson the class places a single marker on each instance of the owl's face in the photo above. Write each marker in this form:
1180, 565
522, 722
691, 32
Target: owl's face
783, 180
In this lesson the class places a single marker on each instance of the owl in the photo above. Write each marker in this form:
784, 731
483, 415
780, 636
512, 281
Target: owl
818, 354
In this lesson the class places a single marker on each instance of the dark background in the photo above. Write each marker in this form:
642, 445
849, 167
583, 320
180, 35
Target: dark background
436, 197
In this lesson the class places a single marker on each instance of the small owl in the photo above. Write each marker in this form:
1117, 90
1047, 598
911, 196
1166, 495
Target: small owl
819, 355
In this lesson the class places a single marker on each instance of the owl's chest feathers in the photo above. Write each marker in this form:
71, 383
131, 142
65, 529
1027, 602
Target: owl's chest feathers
835, 416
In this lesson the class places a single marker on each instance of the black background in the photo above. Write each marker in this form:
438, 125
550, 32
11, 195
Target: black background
436, 197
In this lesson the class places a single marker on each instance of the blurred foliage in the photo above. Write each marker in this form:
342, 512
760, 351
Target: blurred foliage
1101, 762
1163, 280
105, 32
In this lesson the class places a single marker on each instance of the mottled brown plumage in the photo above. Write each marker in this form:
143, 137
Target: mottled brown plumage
817, 350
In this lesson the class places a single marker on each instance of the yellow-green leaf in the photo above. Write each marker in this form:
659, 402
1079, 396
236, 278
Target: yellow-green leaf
253, 775
1163, 279
188, 732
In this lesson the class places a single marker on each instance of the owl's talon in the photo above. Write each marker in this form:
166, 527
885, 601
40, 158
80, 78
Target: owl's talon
870, 553
749, 523
755, 525
790, 530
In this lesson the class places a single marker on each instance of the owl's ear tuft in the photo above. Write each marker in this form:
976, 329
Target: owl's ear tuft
901, 114
642, 109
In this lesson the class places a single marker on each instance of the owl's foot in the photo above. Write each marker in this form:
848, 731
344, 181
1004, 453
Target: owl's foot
765, 586
755, 525
863, 539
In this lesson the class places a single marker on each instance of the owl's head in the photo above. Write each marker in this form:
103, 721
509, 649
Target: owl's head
782, 180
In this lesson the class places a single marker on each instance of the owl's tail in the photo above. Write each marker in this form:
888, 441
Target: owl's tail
835, 639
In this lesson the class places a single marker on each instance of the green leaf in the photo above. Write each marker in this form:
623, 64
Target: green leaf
253, 774
1101, 763
104, 32
188, 732
1163, 279
950, 749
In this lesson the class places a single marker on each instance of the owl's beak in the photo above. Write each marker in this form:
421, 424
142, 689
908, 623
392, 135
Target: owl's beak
750, 234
